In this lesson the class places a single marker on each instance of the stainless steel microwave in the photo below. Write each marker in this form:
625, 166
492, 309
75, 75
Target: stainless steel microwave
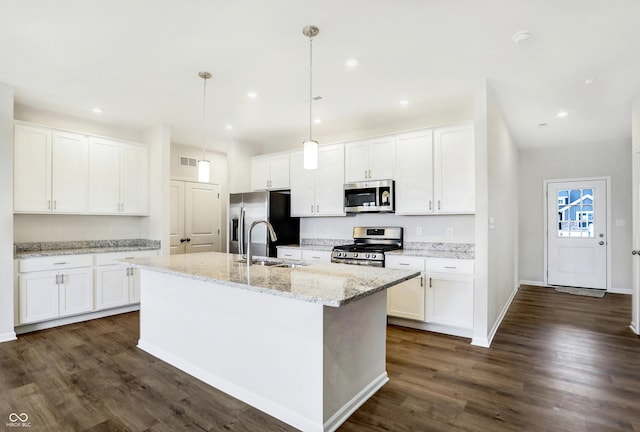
369, 196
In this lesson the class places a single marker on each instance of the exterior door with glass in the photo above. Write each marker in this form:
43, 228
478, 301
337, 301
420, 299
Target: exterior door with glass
577, 233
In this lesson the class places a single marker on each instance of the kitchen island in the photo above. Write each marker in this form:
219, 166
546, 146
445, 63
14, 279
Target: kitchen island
305, 344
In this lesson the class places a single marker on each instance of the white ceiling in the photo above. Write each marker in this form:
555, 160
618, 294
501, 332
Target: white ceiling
138, 60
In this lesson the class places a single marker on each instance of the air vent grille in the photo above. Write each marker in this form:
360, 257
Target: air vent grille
188, 161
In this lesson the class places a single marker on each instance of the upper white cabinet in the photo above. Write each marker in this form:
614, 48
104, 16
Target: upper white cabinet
370, 159
435, 171
414, 172
118, 177
50, 171
270, 172
318, 192
454, 170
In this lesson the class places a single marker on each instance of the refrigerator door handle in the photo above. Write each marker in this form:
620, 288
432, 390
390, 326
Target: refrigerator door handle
241, 233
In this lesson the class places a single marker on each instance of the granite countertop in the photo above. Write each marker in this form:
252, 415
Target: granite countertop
430, 253
328, 284
42, 249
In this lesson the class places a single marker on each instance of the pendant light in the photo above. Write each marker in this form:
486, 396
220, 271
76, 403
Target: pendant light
204, 166
310, 146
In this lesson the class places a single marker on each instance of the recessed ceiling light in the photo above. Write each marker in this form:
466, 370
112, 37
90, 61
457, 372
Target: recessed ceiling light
562, 114
543, 124
228, 127
252, 95
404, 102
589, 81
352, 63
521, 36
317, 98
97, 110
317, 121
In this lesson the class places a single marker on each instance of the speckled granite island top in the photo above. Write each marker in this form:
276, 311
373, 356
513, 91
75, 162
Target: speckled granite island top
327, 284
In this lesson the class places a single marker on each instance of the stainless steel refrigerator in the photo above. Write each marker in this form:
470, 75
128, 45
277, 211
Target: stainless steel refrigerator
275, 207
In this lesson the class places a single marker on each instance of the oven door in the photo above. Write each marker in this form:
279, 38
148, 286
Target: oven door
357, 262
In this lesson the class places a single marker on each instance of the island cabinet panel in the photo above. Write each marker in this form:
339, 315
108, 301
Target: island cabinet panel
318, 192
50, 171
304, 363
370, 159
270, 172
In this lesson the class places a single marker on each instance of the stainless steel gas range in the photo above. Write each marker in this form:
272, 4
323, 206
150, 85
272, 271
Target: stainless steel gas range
369, 246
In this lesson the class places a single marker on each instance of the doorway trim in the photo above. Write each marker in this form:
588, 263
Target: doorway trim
545, 227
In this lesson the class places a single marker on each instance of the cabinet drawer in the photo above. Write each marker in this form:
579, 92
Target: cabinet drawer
55, 262
404, 262
314, 255
290, 253
450, 266
113, 257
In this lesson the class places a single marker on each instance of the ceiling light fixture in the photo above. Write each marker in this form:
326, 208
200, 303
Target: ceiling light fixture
404, 102
228, 127
97, 110
562, 114
317, 121
352, 63
589, 81
252, 95
204, 166
310, 146
521, 36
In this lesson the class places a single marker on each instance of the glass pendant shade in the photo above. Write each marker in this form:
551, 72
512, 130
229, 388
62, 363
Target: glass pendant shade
310, 154
204, 167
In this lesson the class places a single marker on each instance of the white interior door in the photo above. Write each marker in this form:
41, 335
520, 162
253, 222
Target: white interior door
202, 217
577, 233
176, 219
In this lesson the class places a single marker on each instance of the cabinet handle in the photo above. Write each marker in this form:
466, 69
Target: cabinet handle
403, 263
311, 208
429, 205
315, 257
438, 204
450, 267
60, 263
317, 209
287, 255
421, 281
49, 205
54, 204
57, 279
430, 283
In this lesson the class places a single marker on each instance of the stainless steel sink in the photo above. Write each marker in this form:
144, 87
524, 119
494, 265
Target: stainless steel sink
272, 263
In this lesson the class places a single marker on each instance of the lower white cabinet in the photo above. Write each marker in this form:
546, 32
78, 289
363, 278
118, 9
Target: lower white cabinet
406, 300
316, 255
293, 253
51, 287
117, 284
443, 295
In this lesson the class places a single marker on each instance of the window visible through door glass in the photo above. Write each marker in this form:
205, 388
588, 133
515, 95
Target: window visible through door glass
575, 213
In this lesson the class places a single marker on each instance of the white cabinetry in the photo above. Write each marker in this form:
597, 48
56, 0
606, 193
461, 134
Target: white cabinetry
370, 159
406, 300
117, 284
435, 171
50, 171
292, 253
118, 177
449, 299
454, 170
316, 255
318, 192
52, 287
270, 172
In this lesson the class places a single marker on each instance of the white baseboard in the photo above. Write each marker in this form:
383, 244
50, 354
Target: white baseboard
6, 337
614, 290
26, 328
437, 328
485, 342
634, 328
530, 282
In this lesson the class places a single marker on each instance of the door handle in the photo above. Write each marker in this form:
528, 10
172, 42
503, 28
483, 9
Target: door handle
635, 252
183, 240
600, 242
188, 239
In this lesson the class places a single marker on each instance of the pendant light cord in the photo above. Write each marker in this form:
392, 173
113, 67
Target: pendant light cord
204, 112
310, 88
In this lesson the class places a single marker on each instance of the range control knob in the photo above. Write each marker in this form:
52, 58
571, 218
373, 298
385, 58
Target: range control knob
367, 256
355, 255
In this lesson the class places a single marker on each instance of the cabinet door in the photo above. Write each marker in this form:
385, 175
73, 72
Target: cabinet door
69, 172
302, 187
329, 186
176, 218
38, 296
202, 217
356, 161
454, 170
76, 291
112, 286
279, 172
406, 300
260, 173
134, 285
104, 176
134, 180
414, 173
450, 300
381, 157
32, 170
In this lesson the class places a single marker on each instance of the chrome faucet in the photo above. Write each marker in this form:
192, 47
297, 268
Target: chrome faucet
272, 234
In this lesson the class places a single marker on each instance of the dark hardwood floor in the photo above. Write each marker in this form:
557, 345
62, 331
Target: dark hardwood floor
558, 363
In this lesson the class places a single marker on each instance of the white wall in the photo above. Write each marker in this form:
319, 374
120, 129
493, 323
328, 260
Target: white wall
434, 228
157, 225
503, 216
239, 163
588, 160
6, 213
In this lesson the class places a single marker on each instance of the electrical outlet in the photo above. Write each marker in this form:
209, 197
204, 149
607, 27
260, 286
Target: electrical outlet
419, 231
620, 222
449, 232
